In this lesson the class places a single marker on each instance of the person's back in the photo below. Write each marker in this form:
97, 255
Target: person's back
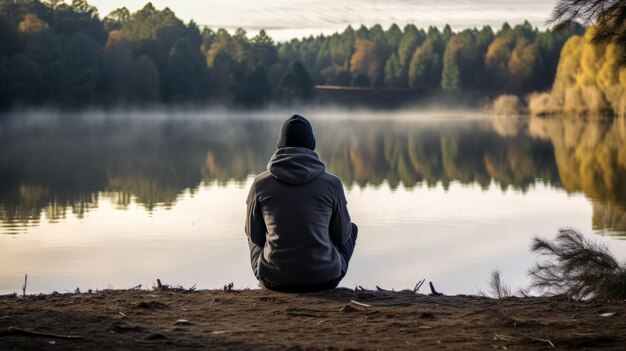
298, 226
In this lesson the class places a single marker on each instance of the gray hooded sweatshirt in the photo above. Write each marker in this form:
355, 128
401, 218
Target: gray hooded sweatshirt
297, 215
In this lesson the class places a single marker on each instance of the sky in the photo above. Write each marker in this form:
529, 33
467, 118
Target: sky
285, 19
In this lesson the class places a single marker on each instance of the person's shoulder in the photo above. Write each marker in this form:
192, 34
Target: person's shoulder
262, 177
259, 180
331, 178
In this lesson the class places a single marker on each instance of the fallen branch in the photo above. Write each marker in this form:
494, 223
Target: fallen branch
405, 304
386, 297
504, 337
417, 287
161, 286
20, 331
540, 339
167, 287
473, 313
433, 291
360, 303
24, 286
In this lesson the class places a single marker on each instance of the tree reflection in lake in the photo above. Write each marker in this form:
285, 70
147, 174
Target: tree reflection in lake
408, 153
591, 157
54, 170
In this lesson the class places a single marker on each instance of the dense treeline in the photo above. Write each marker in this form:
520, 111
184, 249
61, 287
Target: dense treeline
53, 53
59, 54
513, 60
589, 80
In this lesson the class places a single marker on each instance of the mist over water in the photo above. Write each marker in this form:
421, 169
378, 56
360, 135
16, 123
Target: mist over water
124, 198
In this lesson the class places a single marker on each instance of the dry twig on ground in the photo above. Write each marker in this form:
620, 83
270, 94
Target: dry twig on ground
24, 286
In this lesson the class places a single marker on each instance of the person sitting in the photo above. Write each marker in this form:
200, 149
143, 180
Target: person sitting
299, 230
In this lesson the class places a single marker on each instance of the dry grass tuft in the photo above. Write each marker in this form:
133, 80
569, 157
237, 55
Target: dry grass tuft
498, 288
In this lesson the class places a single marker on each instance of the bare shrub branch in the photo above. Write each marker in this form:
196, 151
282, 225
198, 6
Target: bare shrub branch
575, 267
608, 17
498, 288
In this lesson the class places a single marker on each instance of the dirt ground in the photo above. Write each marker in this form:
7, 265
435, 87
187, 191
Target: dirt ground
264, 320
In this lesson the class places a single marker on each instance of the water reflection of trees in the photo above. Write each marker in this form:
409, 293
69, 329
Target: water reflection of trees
406, 154
53, 171
61, 170
591, 157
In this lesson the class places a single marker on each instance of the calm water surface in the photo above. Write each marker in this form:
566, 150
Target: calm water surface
121, 200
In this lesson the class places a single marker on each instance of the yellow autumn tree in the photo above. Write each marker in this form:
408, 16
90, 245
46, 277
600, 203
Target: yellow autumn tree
365, 60
497, 61
588, 81
609, 82
32, 24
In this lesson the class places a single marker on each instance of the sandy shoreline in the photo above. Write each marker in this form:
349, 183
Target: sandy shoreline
264, 320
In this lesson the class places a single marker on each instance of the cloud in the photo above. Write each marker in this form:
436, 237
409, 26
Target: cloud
335, 15
285, 19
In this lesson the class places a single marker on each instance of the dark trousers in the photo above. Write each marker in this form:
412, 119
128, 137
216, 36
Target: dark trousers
345, 251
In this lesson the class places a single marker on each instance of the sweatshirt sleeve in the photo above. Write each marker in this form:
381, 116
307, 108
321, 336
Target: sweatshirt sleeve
255, 225
340, 223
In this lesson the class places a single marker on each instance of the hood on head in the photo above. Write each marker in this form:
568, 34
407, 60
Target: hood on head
295, 165
296, 132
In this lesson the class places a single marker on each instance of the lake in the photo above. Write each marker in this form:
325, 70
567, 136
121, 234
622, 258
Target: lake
113, 200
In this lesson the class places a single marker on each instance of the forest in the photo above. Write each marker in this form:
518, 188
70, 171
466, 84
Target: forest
54, 54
